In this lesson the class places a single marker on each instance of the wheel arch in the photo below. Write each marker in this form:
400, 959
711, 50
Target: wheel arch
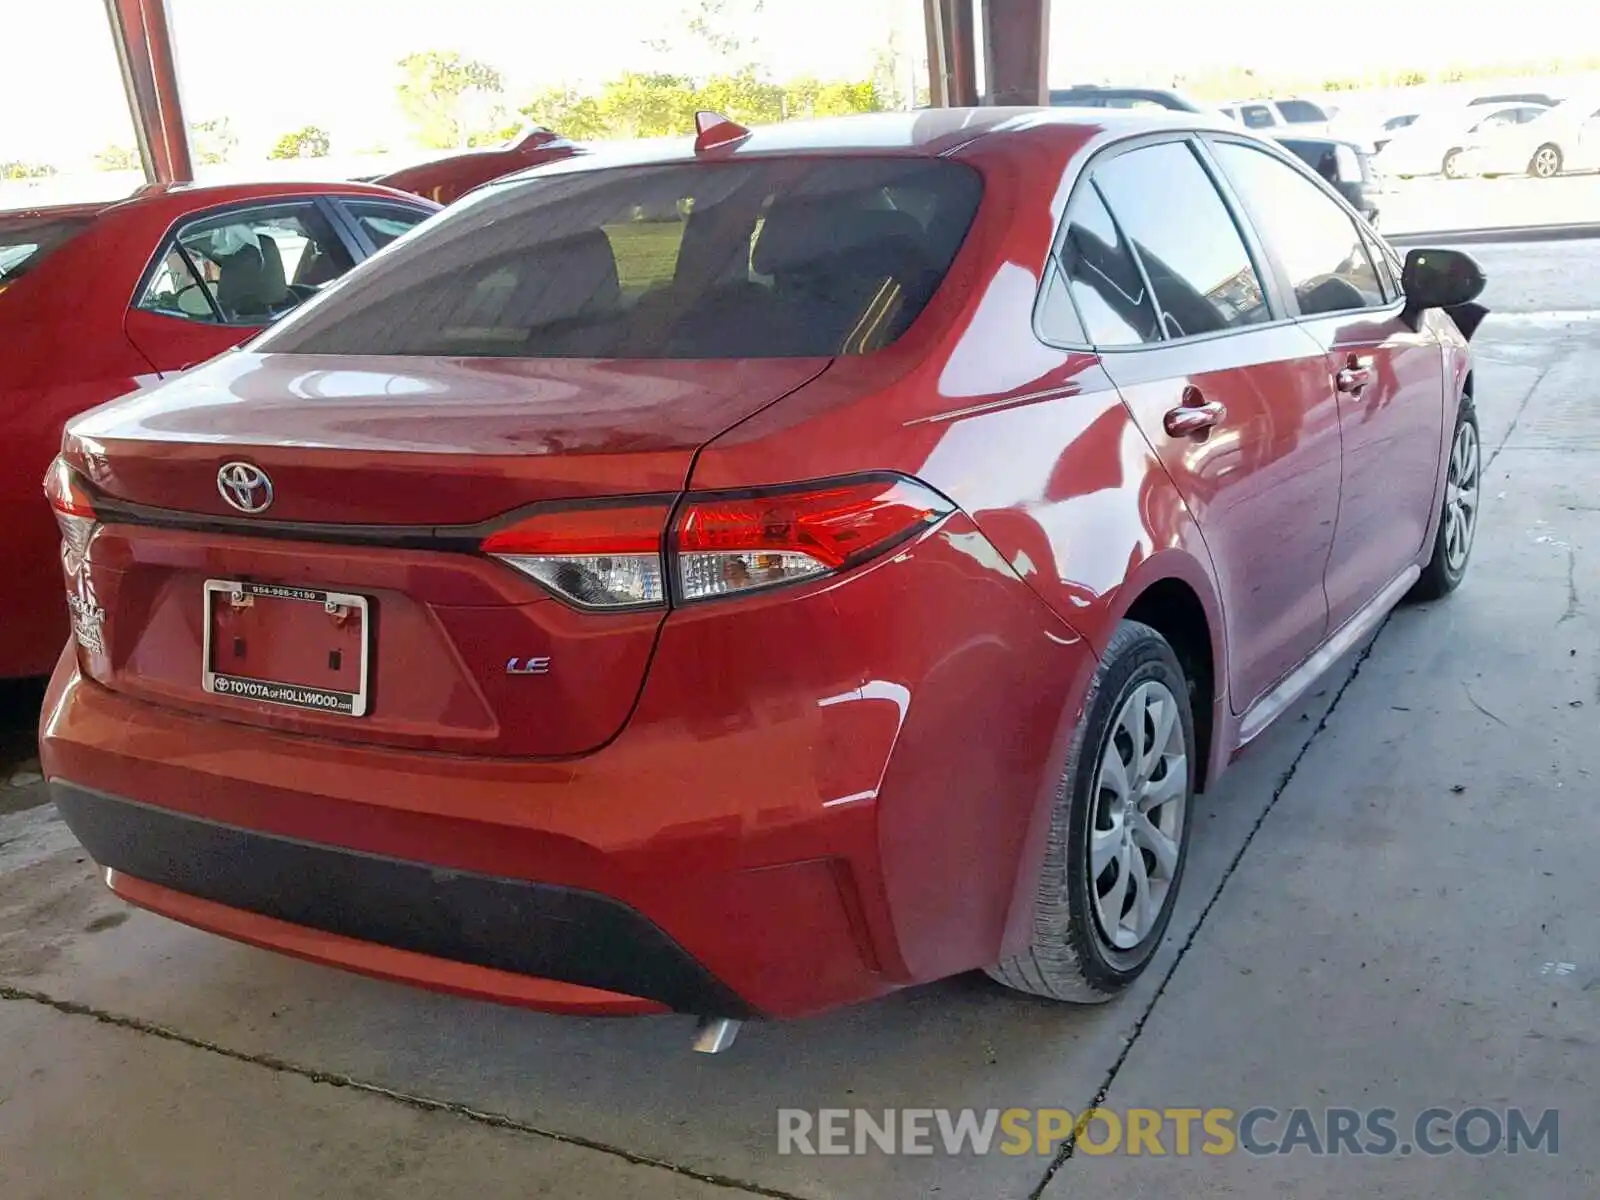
1174, 594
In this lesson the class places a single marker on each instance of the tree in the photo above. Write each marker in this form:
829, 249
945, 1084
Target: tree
567, 112
449, 99
117, 158
214, 141
309, 142
742, 97
639, 105
26, 170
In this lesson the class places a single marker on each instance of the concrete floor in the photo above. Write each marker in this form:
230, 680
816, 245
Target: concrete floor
1388, 903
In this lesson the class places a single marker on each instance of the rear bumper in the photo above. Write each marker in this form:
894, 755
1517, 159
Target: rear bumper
502, 925
820, 797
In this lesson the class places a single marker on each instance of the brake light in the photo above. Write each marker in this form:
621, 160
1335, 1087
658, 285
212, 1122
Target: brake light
617, 557
607, 558
741, 543
73, 503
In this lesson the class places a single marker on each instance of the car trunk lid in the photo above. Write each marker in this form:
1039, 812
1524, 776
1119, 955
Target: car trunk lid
355, 605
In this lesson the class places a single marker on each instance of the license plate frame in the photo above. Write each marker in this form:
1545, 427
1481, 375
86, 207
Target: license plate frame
279, 694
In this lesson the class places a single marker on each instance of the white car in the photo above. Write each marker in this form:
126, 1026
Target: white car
1564, 138
1436, 142
1303, 116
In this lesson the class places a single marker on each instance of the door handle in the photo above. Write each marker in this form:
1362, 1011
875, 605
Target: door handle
1354, 378
1194, 416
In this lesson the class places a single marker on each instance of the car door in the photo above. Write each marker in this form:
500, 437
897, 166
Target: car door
1386, 377
1234, 401
224, 274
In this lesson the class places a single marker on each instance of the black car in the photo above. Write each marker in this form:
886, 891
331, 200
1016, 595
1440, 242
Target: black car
1346, 165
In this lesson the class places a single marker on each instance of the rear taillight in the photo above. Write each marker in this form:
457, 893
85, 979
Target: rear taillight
74, 508
740, 543
607, 558
720, 544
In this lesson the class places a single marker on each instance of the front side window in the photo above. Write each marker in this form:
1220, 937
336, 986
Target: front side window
764, 258
1183, 233
385, 222
1320, 247
246, 266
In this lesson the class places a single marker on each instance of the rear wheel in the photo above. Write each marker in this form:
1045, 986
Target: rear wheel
1450, 168
1458, 521
1546, 162
1119, 833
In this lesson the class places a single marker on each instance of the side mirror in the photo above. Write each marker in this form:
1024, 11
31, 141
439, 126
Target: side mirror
1439, 279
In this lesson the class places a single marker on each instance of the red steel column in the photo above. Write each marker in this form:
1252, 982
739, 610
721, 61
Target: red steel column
952, 61
1016, 44
142, 33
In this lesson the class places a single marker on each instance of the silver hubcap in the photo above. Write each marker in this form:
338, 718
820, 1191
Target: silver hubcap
1544, 163
1461, 498
1141, 793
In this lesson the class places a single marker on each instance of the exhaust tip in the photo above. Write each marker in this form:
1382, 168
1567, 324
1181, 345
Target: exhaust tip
715, 1034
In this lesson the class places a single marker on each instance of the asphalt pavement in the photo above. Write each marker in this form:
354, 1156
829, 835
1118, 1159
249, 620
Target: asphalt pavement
1389, 907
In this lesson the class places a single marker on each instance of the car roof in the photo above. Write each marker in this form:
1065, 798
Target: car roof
179, 198
926, 132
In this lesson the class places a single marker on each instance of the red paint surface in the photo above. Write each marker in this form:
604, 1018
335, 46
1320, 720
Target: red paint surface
824, 792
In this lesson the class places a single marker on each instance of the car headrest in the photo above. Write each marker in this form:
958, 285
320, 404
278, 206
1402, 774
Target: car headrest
799, 233
568, 278
250, 281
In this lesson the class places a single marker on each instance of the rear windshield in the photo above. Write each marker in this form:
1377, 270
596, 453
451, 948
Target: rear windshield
767, 258
25, 243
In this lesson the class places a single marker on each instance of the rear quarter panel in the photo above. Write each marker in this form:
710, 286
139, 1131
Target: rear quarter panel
1035, 445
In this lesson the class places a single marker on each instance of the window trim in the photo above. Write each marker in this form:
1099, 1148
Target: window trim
1271, 287
169, 236
1365, 234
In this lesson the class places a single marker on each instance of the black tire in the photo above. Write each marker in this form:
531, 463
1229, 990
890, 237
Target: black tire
1071, 958
1444, 573
1547, 162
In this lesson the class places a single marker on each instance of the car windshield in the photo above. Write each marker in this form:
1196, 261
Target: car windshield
26, 242
764, 258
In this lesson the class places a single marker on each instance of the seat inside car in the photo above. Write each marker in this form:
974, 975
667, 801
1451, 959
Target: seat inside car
251, 283
850, 271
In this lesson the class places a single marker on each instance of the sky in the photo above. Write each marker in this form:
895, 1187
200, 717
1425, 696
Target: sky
271, 66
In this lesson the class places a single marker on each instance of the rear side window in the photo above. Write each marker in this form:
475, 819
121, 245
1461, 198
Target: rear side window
767, 258
1321, 249
245, 266
27, 243
1103, 278
1300, 112
1182, 232
1256, 116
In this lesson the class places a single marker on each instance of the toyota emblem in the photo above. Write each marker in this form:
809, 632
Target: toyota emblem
245, 486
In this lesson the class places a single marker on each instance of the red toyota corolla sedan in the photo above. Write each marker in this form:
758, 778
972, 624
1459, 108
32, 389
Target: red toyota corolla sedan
99, 300
747, 578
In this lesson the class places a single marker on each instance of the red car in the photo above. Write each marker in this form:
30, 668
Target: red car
444, 180
98, 300
758, 576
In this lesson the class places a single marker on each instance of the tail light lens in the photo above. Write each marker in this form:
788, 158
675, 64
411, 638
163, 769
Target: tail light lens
613, 558
735, 544
74, 508
605, 558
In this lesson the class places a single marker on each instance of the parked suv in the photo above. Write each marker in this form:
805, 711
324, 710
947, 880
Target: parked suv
755, 575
